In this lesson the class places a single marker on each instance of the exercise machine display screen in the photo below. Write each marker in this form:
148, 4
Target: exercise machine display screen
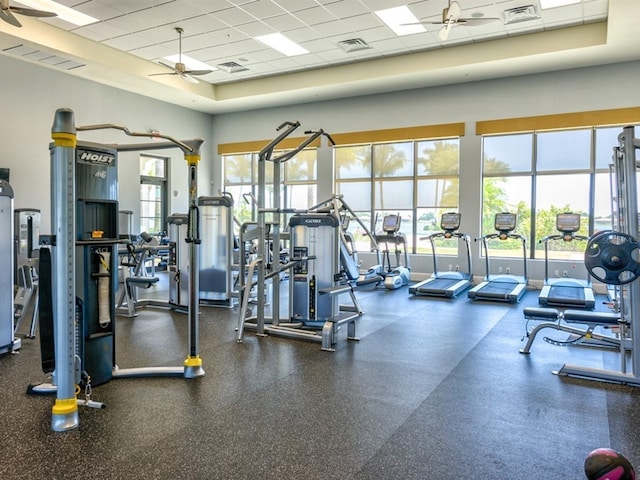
391, 223
568, 222
450, 221
505, 222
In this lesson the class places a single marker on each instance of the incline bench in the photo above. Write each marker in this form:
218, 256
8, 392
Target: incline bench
559, 320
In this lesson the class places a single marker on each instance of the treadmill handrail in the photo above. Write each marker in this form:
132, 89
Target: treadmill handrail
515, 236
558, 236
461, 236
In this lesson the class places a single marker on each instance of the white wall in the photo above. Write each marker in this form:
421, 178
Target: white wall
613, 86
30, 96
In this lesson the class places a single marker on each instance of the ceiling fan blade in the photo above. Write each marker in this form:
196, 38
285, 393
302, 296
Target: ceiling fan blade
443, 34
162, 73
10, 18
474, 22
198, 72
32, 12
188, 78
454, 11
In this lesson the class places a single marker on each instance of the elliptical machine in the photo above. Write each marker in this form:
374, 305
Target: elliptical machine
398, 274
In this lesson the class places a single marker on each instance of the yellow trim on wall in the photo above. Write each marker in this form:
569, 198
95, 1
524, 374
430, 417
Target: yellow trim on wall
398, 134
617, 116
257, 145
353, 138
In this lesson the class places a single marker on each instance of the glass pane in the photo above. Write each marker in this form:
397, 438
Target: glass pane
564, 150
429, 223
507, 194
243, 205
356, 194
301, 197
602, 204
406, 228
302, 167
606, 139
558, 194
152, 166
353, 162
507, 154
237, 168
438, 192
439, 157
393, 160
393, 194
361, 239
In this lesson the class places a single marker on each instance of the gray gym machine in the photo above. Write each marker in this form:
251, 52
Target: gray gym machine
565, 291
178, 261
216, 251
612, 258
313, 265
8, 341
502, 287
444, 283
26, 226
93, 273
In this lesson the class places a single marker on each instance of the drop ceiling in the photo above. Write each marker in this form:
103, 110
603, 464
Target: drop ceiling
351, 51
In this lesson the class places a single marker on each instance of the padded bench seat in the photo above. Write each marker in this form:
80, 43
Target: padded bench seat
599, 318
144, 282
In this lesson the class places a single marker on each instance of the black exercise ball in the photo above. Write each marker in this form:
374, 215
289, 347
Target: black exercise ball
607, 464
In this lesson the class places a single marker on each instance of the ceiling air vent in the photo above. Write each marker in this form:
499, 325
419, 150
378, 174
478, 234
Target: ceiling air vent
353, 45
36, 55
231, 67
520, 14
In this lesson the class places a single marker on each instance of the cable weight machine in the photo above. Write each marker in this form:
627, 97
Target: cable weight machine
614, 259
314, 236
81, 275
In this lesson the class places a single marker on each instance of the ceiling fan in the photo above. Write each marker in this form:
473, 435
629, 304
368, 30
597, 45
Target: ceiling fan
7, 13
451, 18
180, 68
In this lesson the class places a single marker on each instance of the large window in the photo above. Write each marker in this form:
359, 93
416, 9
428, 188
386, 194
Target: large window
416, 179
153, 194
540, 174
297, 189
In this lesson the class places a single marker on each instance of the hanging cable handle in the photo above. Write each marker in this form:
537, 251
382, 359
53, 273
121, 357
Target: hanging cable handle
193, 226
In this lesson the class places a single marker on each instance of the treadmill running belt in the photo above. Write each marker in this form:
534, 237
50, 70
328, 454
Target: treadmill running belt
438, 284
498, 288
567, 293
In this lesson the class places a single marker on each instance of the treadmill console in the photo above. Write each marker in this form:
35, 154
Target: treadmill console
568, 224
391, 223
505, 222
450, 222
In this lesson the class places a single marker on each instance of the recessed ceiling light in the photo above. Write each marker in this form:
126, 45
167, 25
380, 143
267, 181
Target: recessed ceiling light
64, 13
279, 42
190, 63
544, 4
401, 20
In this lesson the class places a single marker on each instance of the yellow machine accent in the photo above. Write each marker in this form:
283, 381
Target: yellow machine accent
65, 406
61, 139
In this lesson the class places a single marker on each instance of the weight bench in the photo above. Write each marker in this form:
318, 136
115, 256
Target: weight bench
559, 320
128, 299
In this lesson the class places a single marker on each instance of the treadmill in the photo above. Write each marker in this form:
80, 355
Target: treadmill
446, 284
565, 292
502, 288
